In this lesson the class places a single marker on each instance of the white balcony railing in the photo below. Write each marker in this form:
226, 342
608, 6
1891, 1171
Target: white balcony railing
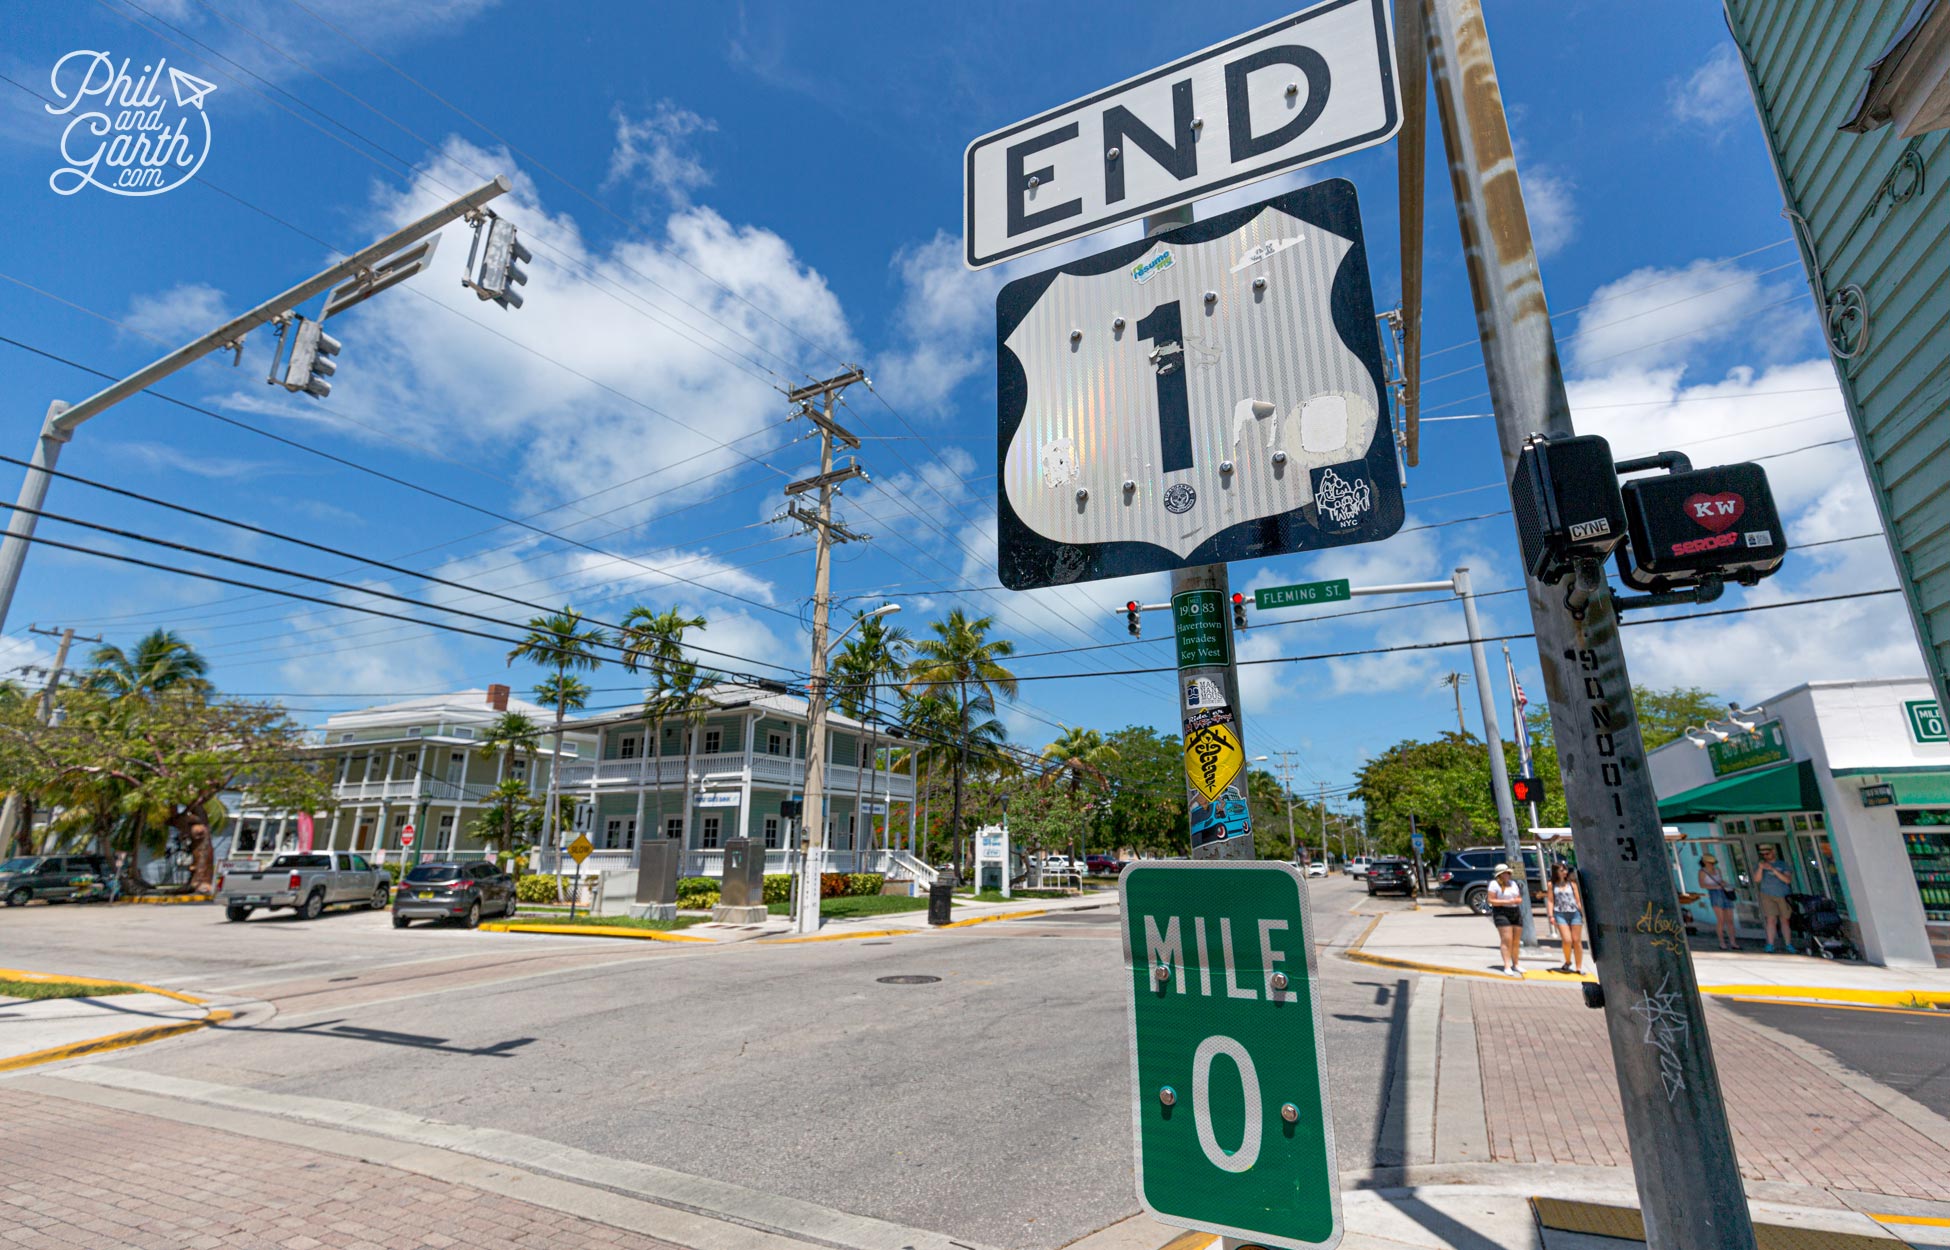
716, 771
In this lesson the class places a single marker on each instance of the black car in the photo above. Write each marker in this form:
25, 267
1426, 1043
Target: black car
55, 878
1392, 873
1465, 876
453, 891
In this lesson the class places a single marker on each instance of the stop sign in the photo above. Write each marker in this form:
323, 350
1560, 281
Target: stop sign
406, 836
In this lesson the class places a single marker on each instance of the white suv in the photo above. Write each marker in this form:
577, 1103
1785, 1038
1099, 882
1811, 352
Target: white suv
1358, 866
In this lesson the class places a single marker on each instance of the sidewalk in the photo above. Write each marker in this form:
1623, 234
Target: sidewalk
37, 1031
1454, 942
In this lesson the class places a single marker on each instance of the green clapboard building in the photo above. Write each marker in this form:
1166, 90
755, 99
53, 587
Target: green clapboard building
1854, 99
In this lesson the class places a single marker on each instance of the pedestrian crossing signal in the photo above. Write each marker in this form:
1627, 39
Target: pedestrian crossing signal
1131, 617
1527, 789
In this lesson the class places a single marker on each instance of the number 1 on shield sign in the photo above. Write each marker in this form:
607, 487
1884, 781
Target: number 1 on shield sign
1164, 328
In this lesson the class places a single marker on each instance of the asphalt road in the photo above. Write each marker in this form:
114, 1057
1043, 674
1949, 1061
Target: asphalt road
992, 1103
1909, 1051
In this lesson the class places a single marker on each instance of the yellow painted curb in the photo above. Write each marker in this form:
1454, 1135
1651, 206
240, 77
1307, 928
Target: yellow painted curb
114, 1041
164, 899
1927, 1221
1001, 915
594, 930
1874, 998
840, 937
1193, 1240
21, 974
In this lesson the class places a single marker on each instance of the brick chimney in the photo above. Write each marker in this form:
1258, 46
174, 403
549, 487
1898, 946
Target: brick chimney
498, 698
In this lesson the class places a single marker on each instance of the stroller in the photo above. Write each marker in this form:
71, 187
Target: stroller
1817, 923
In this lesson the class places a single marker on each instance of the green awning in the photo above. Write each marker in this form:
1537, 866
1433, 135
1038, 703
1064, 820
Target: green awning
1782, 788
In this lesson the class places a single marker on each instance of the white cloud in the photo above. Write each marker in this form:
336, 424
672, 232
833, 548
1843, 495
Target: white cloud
945, 325
177, 315
1657, 316
658, 148
160, 458
1548, 202
1713, 95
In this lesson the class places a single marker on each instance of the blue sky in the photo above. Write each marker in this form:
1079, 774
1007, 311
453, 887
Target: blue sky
726, 199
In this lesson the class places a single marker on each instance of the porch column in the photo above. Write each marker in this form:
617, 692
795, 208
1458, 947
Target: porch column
745, 784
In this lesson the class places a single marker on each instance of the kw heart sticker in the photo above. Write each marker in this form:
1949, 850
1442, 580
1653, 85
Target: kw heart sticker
1715, 513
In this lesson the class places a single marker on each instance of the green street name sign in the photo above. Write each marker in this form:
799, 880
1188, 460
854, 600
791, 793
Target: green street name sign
1926, 722
1303, 594
1228, 1064
1766, 745
1198, 618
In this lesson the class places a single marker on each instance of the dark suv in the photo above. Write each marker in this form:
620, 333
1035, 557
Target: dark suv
1392, 873
55, 878
450, 891
1465, 876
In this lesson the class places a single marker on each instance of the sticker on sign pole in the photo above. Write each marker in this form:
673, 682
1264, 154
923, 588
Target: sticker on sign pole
1230, 1110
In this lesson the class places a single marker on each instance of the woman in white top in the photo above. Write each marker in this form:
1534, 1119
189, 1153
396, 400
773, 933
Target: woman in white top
1567, 906
1506, 910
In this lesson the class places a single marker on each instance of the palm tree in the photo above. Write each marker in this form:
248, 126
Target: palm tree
508, 733
877, 656
1080, 751
161, 660
959, 655
560, 642
510, 806
930, 725
655, 640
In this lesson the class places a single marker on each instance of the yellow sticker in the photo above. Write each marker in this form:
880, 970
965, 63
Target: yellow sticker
1212, 759
580, 848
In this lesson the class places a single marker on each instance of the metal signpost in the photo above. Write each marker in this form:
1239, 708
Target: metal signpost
1228, 1057
578, 851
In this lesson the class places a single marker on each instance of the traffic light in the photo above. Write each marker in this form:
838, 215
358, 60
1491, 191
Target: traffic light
311, 359
1238, 610
1131, 617
500, 256
1527, 789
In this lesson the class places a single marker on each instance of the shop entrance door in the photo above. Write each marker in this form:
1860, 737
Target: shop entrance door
1800, 840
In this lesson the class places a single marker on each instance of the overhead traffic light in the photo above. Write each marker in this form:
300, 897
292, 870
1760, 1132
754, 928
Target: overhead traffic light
311, 359
500, 254
1527, 789
1238, 610
1131, 617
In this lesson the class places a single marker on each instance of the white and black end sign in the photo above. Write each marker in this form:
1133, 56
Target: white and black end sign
1211, 393
1318, 84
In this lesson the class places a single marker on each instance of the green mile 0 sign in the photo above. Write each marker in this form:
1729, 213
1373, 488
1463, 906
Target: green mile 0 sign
1228, 1063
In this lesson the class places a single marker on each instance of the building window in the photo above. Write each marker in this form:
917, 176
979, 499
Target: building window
446, 842
674, 827
518, 768
775, 744
713, 741
619, 833
710, 836
626, 750
771, 833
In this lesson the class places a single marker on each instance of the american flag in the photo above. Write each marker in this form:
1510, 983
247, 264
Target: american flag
1521, 700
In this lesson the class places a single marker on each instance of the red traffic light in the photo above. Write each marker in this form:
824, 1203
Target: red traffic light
1237, 598
1131, 606
1527, 789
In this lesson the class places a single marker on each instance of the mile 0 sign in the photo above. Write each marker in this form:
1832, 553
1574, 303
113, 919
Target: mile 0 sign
1228, 1065
1211, 393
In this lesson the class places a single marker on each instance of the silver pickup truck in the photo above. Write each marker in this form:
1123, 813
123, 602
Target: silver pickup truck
309, 882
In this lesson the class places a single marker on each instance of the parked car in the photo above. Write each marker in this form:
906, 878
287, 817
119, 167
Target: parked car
1392, 873
1103, 864
308, 882
453, 891
1059, 863
1358, 866
55, 878
1316, 868
1465, 875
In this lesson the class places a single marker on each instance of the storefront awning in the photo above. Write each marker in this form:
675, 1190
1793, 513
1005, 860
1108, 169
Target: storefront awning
1782, 788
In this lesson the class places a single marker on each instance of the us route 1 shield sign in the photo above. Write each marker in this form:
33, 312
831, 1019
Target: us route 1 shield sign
1228, 1066
1212, 393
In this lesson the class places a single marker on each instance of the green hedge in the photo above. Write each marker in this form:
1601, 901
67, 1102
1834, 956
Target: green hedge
535, 888
701, 893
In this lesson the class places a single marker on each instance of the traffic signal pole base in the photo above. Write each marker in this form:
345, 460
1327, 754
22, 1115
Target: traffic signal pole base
734, 915
654, 911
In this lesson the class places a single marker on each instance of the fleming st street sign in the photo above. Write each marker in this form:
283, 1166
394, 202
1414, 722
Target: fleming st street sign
1303, 594
1318, 84
1228, 1067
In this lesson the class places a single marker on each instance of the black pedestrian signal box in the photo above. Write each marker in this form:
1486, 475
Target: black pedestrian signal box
1527, 789
1566, 502
1716, 522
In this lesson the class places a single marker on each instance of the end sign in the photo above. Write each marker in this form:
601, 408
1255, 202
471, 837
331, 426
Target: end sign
1228, 1063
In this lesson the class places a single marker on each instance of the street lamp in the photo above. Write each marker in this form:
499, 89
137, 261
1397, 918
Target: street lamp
814, 807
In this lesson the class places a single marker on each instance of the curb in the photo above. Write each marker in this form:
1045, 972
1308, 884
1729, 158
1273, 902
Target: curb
885, 933
113, 1041
163, 900
21, 974
593, 930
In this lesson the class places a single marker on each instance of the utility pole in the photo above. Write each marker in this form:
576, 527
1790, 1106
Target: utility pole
1455, 683
365, 272
1323, 829
825, 533
1506, 814
1286, 785
1689, 1184
10, 813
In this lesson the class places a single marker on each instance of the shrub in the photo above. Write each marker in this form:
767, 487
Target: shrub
865, 882
778, 887
536, 888
394, 869
697, 893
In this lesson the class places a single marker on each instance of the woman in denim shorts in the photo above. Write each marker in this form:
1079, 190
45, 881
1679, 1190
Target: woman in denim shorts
1567, 906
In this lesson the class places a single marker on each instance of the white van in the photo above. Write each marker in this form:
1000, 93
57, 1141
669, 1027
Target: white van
1358, 866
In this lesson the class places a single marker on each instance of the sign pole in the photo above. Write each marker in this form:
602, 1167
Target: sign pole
1689, 1184
1506, 811
1201, 605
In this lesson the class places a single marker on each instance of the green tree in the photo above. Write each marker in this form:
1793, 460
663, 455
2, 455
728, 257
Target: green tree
512, 818
559, 641
1081, 753
1664, 714
875, 657
1146, 812
961, 655
160, 661
655, 641
1445, 784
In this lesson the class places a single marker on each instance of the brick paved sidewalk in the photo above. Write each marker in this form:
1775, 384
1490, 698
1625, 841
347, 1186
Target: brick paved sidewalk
82, 1176
1551, 1097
